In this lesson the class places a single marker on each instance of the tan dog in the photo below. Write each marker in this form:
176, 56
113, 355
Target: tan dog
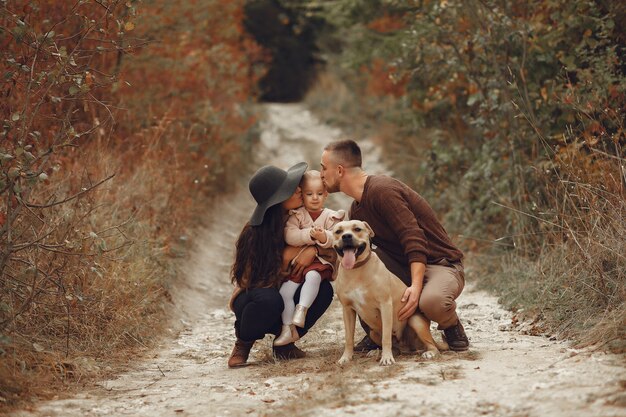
367, 288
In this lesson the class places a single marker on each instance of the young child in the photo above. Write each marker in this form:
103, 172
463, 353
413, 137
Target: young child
308, 225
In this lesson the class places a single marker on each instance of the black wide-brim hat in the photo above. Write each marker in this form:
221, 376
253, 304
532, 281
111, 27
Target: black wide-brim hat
271, 185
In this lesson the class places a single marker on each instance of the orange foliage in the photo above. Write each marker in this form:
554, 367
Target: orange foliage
387, 23
154, 92
384, 80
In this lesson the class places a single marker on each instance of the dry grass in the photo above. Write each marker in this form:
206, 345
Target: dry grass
335, 388
86, 315
334, 385
572, 279
110, 156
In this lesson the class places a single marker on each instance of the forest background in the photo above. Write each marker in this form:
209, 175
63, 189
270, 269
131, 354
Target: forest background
121, 120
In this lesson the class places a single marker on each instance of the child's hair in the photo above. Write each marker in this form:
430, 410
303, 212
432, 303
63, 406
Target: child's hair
310, 175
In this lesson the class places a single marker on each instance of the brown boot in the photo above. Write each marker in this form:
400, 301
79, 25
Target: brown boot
456, 338
289, 351
239, 356
365, 345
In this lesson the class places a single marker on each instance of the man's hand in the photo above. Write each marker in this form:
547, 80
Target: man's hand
303, 260
412, 294
411, 297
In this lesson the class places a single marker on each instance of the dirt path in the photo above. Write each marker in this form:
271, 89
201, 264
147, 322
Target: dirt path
505, 373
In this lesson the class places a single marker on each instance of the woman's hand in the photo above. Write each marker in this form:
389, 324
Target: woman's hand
303, 260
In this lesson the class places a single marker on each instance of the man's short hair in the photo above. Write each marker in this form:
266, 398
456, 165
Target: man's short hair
345, 152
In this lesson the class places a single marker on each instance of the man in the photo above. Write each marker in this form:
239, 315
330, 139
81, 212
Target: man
409, 240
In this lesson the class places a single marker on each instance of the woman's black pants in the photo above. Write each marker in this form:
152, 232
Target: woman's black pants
258, 310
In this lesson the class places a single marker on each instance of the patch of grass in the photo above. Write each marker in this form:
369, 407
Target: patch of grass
92, 313
335, 389
451, 372
575, 285
100, 188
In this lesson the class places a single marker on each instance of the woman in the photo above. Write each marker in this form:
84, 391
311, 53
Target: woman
260, 262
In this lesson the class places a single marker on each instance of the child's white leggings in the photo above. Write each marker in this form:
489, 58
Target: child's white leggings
310, 288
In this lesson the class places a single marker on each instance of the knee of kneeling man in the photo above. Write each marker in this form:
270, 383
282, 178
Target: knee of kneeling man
434, 306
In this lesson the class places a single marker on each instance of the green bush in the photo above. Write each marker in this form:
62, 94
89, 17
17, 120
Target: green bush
509, 118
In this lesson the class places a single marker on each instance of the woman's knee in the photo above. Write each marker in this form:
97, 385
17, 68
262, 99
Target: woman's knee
269, 299
261, 312
326, 292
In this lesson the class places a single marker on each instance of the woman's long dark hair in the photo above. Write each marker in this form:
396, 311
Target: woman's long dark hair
259, 252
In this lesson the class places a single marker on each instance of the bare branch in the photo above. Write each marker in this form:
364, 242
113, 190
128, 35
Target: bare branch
56, 203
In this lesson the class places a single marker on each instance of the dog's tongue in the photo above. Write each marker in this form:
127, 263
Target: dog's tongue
349, 258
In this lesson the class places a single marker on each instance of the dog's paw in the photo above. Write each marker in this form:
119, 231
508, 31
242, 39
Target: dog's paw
387, 359
344, 359
429, 354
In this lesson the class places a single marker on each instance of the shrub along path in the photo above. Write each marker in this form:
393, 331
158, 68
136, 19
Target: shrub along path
506, 373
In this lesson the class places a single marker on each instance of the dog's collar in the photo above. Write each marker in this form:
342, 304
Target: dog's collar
363, 261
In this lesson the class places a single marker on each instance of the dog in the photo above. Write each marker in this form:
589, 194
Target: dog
367, 288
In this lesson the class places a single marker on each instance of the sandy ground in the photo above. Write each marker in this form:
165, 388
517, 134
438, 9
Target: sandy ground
505, 373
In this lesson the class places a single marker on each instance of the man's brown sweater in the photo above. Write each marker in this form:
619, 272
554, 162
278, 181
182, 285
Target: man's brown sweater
405, 225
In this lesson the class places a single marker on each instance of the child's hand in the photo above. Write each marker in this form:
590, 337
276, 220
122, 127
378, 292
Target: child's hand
318, 234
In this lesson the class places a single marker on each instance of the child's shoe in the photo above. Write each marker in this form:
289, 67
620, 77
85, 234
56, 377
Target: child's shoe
299, 316
288, 334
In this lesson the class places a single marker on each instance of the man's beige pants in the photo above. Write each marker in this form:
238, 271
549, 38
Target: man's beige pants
443, 283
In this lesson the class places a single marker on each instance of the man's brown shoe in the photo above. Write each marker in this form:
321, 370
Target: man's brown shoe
289, 351
239, 356
456, 338
365, 345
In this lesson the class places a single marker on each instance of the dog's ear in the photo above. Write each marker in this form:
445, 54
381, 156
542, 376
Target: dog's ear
369, 229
